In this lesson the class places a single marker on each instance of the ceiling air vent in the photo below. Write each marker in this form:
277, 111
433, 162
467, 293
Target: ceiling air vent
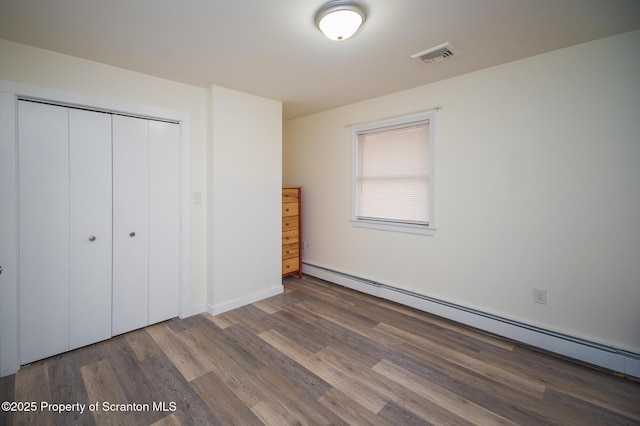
436, 54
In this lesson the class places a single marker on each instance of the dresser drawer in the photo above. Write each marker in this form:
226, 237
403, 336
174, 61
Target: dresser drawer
289, 223
289, 209
290, 265
290, 195
290, 250
290, 237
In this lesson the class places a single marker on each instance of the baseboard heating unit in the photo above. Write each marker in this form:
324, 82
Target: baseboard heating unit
617, 360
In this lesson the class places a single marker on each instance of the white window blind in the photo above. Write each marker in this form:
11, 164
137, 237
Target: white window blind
392, 176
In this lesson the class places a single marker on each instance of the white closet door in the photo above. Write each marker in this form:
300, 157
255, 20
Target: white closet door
43, 188
164, 221
90, 249
130, 224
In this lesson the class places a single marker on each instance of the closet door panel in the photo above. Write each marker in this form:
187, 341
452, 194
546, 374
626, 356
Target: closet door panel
43, 181
90, 260
130, 224
164, 221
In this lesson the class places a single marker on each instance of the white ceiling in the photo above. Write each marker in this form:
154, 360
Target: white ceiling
272, 48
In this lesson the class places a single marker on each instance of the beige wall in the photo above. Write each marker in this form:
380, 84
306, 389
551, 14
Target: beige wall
245, 168
537, 185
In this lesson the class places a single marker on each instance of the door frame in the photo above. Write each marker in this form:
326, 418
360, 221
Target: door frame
10, 92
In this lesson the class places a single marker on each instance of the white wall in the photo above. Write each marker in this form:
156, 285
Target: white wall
246, 199
537, 185
27, 65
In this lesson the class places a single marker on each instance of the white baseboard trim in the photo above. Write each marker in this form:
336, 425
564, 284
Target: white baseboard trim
617, 360
246, 300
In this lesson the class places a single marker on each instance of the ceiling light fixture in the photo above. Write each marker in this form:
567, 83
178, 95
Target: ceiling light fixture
339, 20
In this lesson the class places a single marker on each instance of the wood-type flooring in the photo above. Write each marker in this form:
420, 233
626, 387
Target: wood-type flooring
317, 354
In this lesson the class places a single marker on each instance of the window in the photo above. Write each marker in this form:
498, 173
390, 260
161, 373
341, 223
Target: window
393, 174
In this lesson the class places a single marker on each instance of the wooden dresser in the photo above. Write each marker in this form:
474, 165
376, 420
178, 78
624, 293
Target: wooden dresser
291, 230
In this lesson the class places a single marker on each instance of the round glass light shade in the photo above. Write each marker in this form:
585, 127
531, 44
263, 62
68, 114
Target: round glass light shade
340, 20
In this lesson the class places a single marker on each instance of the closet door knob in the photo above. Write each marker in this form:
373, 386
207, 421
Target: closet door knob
132, 234
92, 238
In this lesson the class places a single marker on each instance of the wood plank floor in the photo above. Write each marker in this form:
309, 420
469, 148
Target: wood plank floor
317, 354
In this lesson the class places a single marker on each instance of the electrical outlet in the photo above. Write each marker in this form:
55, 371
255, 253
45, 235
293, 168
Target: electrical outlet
305, 245
540, 295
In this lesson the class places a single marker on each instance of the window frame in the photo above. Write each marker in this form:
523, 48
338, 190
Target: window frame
399, 226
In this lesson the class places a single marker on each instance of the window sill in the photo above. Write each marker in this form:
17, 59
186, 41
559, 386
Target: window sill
407, 228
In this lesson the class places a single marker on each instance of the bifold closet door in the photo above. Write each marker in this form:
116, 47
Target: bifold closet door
65, 228
164, 221
90, 233
99, 226
130, 224
43, 187
146, 226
